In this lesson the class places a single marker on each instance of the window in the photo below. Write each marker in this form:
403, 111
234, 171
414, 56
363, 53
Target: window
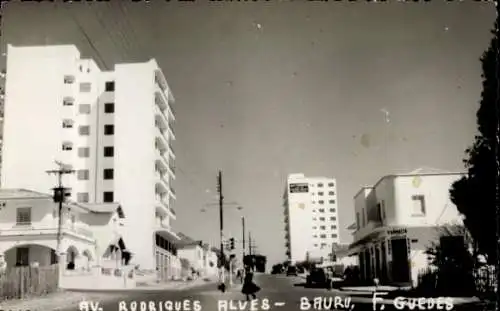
109, 129
108, 197
323, 236
82, 197
109, 86
109, 107
333, 218
23, 216
321, 193
331, 201
358, 225
322, 227
73, 219
332, 210
331, 184
83, 152
321, 202
418, 205
313, 202
85, 87
334, 227
84, 130
108, 173
363, 217
320, 185
334, 235
109, 152
321, 210
67, 146
67, 124
69, 79
84, 108
314, 227
322, 218
331, 193
22, 256
83, 174
68, 101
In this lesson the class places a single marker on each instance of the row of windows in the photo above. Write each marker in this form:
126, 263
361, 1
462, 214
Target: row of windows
322, 193
323, 202
320, 185
108, 174
322, 210
323, 218
86, 108
84, 152
84, 130
109, 86
323, 236
107, 197
324, 227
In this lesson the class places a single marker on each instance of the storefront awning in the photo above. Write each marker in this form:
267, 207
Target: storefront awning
421, 234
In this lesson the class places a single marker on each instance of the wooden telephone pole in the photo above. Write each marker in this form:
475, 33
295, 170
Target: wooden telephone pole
60, 194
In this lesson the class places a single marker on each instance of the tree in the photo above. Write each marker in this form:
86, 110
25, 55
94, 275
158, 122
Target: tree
475, 194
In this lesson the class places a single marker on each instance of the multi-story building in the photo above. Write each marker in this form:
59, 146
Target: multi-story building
311, 217
399, 219
114, 128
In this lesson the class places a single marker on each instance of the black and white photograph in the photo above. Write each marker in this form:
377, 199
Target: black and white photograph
249, 155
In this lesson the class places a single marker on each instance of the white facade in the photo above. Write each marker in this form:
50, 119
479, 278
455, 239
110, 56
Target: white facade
29, 226
194, 254
311, 217
114, 128
409, 208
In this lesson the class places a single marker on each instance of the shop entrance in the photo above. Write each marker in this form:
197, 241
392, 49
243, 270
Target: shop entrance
400, 265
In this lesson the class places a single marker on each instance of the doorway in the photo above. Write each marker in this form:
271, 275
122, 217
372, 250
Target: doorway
400, 266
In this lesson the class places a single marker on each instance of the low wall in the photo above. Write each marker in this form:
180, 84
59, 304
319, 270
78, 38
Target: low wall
98, 278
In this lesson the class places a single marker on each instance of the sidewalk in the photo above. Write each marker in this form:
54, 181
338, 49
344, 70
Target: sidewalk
66, 299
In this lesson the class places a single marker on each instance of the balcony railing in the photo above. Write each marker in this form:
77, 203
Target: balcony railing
40, 229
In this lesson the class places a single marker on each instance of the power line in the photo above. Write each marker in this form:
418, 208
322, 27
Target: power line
86, 36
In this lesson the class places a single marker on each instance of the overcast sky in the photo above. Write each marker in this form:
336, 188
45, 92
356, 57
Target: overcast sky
271, 88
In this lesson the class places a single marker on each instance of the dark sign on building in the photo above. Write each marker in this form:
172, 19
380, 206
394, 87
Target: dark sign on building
299, 188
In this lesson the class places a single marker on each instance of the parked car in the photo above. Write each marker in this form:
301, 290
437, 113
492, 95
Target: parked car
319, 277
292, 270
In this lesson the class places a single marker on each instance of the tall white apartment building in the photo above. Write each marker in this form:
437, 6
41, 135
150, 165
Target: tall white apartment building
113, 127
311, 217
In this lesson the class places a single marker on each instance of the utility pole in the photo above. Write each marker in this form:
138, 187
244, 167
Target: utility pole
249, 243
243, 234
221, 229
60, 193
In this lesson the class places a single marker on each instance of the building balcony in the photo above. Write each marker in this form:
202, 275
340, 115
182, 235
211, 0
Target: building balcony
171, 150
172, 192
171, 131
162, 206
160, 139
160, 116
37, 230
160, 162
161, 184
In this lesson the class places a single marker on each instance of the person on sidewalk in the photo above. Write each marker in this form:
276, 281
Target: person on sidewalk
249, 288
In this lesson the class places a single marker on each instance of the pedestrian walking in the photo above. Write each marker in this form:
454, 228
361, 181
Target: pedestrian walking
249, 288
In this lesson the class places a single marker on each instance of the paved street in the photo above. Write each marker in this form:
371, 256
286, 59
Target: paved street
278, 293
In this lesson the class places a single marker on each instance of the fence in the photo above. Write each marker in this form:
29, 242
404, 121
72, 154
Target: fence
21, 282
